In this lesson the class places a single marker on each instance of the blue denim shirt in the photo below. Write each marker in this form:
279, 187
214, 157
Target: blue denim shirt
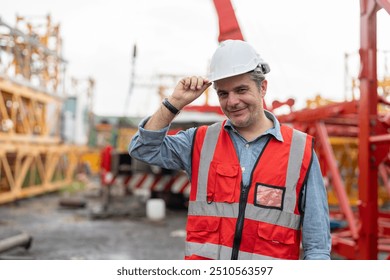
174, 152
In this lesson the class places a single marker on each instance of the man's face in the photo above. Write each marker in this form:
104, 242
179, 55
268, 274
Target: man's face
241, 100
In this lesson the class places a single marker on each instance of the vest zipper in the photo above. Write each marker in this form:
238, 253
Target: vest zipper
240, 221
241, 209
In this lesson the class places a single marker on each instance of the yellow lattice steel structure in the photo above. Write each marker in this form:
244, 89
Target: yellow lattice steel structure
33, 159
32, 169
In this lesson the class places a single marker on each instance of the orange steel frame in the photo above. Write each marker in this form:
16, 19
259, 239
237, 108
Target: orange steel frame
33, 158
368, 229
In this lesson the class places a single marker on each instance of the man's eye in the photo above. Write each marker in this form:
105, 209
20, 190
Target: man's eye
222, 94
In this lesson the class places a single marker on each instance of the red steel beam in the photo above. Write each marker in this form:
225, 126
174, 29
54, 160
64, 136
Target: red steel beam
204, 108
338, 184
342, 130
385, 4
228, 24
380, 139
321, 113
344, 246
368, 168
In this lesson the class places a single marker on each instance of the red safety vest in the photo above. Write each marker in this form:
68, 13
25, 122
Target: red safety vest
263, 221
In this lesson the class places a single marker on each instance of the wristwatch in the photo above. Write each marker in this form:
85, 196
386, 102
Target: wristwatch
170, 107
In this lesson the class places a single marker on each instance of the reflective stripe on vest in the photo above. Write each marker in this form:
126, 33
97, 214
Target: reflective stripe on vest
230, 210
294, 164
219, 252
206, 155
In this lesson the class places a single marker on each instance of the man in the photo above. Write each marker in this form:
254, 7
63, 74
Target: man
256, 185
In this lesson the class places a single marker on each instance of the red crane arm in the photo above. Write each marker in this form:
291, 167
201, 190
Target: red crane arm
228, 24
385, 4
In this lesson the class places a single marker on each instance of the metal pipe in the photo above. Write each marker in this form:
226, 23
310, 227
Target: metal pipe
22, 239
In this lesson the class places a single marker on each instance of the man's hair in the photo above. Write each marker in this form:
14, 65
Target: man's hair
257, 75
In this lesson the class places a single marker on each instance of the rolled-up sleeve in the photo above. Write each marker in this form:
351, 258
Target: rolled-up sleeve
316, 239
157, 148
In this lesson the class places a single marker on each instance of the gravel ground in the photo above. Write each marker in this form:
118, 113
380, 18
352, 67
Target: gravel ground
122, 232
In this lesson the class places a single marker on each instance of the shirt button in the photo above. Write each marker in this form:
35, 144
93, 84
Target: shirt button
247, 145
243, 169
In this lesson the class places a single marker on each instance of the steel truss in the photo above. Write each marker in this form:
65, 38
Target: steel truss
30, 169
33, 159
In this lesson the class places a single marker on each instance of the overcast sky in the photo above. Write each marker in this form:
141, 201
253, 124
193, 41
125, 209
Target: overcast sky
304, 41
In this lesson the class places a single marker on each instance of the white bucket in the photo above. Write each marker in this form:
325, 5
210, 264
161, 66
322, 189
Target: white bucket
155, 209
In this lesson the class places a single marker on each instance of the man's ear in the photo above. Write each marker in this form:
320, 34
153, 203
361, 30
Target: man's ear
264, 88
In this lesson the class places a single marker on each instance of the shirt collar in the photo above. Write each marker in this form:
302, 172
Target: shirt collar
275, 130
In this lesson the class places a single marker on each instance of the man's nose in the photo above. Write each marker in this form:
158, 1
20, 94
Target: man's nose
232, 99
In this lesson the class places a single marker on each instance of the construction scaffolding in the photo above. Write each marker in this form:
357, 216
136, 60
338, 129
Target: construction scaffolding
33, 157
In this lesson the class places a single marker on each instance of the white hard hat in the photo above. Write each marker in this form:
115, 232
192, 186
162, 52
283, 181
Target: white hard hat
235, 57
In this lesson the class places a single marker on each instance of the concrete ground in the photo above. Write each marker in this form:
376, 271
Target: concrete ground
122, 232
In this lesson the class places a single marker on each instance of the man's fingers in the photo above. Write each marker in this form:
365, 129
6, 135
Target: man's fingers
206, 85
201, 82
187, 82
194, 82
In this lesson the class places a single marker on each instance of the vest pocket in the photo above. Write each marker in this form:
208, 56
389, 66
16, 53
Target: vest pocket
203, 236
208, 224
222, 182
276, 234
276, 241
